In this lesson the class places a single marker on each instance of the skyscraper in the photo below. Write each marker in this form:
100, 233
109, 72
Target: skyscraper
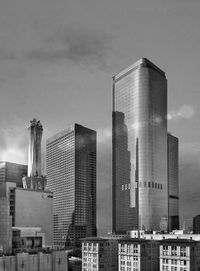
173, 185
140, 172
34, 155
11, 176
71, 176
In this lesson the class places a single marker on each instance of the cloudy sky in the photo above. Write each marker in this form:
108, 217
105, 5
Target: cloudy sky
57, 59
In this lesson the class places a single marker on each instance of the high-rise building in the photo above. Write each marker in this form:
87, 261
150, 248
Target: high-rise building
196, 224
35, 179
71, 176
34, 154
11, 176
140, 159
173, 184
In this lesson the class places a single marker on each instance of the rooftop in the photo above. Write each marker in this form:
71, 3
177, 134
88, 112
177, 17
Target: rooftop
143, 62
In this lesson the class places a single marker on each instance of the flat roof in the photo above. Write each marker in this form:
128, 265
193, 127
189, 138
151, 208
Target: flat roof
141, 62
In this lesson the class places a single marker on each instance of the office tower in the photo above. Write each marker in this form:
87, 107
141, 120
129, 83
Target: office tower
71, 176
140, 178
196, 224
173, 184
34, 155
11, 176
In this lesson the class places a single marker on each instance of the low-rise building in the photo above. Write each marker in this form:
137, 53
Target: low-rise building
100, 254
135, 254
179, 255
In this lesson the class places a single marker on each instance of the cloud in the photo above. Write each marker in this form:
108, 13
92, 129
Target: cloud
13, 144
184, 112
77, 45
104, 135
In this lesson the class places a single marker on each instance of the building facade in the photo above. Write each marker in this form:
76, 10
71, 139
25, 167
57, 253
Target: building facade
173, 184
140, 187
196, 224
71, 176
100, 254
179, 255
11, 175
138, 254
5, 226
33, 208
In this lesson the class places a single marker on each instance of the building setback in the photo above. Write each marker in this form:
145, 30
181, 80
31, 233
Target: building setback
71, 176
144, 174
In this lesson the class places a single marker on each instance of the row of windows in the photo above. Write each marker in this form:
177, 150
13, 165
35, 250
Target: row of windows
143, 184
128, 263
174, 262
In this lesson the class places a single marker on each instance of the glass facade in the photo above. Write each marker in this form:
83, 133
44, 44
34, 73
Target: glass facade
140, 186
71, 176
173, 184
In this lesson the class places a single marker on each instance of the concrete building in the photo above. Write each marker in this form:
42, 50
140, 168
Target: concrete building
180, 255
138, 254
100, 254
55, 261
140, 152
11, 176
173, 184
27, 239
33, 208
71, 176
196, 224
5, 226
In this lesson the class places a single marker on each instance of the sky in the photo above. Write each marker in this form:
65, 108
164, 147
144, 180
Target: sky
57, 59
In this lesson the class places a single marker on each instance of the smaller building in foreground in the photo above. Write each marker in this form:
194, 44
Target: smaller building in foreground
33, 208
138, 254
99, 254
27, 239
180, 255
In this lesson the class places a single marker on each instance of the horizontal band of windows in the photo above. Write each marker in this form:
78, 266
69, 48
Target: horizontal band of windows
144, 185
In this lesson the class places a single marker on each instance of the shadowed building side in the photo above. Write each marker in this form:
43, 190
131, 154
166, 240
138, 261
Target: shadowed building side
173, 183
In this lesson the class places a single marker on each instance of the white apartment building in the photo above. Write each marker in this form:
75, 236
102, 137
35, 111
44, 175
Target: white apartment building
179, 255
99, 254
138, 254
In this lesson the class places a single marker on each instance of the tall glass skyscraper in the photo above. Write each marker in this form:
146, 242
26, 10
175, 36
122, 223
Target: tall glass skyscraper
140, 172
173, 186
71, 176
